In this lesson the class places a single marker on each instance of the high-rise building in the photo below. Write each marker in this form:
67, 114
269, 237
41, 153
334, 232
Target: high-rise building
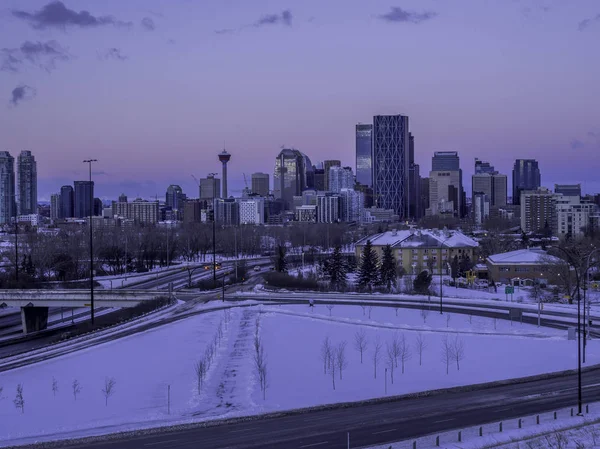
260, 184
210, 188
140, 211
424, 194
83, 199
538, 211
175, 199
328, 165
26, 184
192, 211
391, 163
7, 188
352, 205
526, 176
122, 198
227, 212
54, 206
481, 207
224, 157
320, 179
483, 167
328, 208
66, 202
290, 175
573, 216
414, 181
364, 154
445, 185
98, 207
340, 178
491, 184
252, 210
568, 189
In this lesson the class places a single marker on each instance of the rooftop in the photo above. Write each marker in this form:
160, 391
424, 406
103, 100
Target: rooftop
415, 238
523, 256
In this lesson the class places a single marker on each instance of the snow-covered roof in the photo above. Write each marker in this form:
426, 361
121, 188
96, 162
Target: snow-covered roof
523, 256
415, 238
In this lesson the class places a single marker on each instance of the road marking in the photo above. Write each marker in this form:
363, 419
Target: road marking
315, 444
384, 431
241, 430
443, 420
161, 442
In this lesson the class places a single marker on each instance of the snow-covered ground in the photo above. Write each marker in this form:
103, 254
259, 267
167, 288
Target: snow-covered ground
144, 365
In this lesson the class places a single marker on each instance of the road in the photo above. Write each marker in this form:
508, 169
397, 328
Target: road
372, 424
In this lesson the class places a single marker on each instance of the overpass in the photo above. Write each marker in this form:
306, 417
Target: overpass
34, 304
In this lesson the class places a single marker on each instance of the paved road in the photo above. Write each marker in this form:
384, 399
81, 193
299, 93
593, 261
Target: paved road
374, 423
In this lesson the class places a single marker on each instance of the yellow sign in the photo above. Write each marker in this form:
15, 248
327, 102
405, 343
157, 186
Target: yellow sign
87, 305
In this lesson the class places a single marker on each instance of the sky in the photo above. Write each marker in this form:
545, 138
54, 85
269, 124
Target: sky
155, 89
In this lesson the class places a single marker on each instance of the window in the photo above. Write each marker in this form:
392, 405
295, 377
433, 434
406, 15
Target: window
504, 269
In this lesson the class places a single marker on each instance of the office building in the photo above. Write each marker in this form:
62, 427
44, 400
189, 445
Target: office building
364, 154
481, 208
328, 165
54, 207
568, 189
140, 211
175, 199
83, 199
319, 179
252, 210
26, 184
490, 183
227, 212
483, 167
339, 178
573, 216
260, 184
192, 211
446, 195
306, 214
352, 205
424, 194
122, 198
98, 207
67, 202
445, 161
7, 188
391, 163
526, 176
415, 211
290, 175
328, 208
210, 188
538, 211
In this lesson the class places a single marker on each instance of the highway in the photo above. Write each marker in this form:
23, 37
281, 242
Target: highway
371, 423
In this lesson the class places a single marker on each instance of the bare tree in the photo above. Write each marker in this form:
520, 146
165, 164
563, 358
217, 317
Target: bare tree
494, 323
265, 382
54, 386
395, 349
109, 388
404, 351
19, 400
391, 359
446, 354
470, 319
330, 308
364, 309
377, 346
370, 309
332, 365
360, 342
340, 357
396, 307
260, 364
76, 386
447, 320
326, 354
200, 368
424, 315
458, 350
420, 346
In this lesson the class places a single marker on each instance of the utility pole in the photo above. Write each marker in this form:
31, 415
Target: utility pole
214, 230
89, 162
441, 272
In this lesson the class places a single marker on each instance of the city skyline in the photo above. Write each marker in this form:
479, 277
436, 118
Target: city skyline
482, 93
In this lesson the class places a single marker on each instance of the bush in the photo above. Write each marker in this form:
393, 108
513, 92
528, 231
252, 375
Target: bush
283, 280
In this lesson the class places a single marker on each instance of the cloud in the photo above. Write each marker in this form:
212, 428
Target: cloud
21, 93
397, 14
148, 24
113, 53
273, 19
577, 144
44, 55
56, 15
587, 22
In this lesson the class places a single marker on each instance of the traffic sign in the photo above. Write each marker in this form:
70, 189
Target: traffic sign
509, 290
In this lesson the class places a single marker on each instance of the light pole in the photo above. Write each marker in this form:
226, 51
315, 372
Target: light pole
441, 280
585, 283
214, 231
89, 162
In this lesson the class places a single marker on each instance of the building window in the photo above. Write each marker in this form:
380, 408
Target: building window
504, 269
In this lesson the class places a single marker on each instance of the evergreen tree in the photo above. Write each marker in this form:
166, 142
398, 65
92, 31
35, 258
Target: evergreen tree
454, 268
280, 261
367, 273
422, 282
337, 268
387, 274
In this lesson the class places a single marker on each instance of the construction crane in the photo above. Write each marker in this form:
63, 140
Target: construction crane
245, 180
196, 179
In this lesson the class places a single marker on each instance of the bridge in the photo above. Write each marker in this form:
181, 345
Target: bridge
34, 304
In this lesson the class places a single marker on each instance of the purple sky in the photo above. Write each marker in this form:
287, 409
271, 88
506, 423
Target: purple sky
153, 89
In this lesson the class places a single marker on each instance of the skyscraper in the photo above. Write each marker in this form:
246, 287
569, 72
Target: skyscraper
445, 184
66, 202
289, 177
210, 188
414, 177
84, 193
340, 178
391, 163
526, 176
483, 167
7, 187
224, 157
487, 181
364, 154
327, 165
54, 206
260, 184
26, 184
175, 198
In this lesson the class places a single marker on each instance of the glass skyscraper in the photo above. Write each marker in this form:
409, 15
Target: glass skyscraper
364, 155
26, 184
526, 176
391, 163
7, 187
293, 174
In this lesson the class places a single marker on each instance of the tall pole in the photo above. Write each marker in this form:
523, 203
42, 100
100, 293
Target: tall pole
89, 162
585, 287
441, 271
16, 248
214, 230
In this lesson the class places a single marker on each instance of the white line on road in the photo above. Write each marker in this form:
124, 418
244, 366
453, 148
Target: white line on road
384, 431
443, 420
161, 442
315, 444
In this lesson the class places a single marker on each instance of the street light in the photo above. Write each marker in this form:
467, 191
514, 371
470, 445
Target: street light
441, 266
585, 282
89, 162
214, 261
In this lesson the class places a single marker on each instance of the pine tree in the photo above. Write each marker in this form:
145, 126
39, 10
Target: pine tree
337, 269
367, 273
422, 282
387, 275
280, 261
